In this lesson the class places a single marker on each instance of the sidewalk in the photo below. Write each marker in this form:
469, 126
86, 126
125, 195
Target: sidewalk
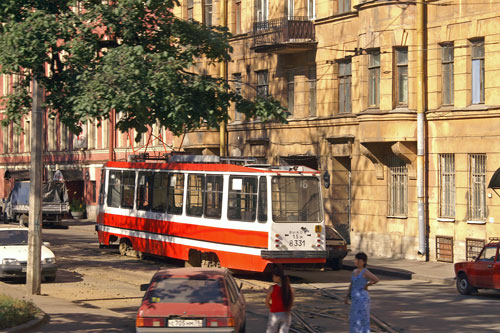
431, 271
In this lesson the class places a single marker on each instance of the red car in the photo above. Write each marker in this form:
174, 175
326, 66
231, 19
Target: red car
192, 300
481, 273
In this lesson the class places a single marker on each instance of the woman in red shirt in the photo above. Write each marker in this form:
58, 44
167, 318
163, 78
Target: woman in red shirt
279, 300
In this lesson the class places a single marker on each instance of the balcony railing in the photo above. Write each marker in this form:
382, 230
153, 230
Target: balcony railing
282, 31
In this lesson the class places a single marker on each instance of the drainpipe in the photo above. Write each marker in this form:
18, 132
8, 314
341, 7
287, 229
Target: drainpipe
421, 190
223, 74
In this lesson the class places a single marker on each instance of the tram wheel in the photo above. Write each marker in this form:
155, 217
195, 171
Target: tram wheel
123, 247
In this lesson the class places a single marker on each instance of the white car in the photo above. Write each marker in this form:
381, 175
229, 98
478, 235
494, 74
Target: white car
14, 254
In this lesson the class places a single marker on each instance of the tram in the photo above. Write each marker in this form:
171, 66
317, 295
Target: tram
213, 214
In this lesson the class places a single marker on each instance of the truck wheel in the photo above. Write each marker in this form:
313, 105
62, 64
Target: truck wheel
463, 285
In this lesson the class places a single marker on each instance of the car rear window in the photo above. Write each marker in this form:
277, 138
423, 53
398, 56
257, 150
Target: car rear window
13, 237
185, 290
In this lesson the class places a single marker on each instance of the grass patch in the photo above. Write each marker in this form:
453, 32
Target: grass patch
15, 312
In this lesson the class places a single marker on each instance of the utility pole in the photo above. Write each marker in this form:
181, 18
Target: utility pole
33, 274
224, 75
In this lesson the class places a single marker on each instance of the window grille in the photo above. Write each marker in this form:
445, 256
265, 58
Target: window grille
345, 79
473, 247
402, 75
447, 185
447, 64
374, 79
477, 187
477, 71
398, 188
444, 248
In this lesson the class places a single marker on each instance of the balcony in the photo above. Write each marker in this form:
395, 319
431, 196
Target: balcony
284, 35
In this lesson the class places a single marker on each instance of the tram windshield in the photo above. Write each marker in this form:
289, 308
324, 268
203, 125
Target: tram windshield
296, 199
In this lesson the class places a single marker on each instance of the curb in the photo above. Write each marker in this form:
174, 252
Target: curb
42, 317
403, 274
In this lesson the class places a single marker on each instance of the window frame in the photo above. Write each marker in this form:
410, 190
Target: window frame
213, 198
312, 87
190, 10
291, 91
401, 75
262, 83
448, 66
249, 198
237, 17
237, 86
345, 86
208, 13
374, 79
477, 64
173, 193
192, 208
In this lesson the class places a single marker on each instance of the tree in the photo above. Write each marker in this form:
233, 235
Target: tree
132, 56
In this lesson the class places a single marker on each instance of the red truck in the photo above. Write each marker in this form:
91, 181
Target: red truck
483, 272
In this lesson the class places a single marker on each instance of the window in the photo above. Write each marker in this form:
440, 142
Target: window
128, 189
160, 188
27, 135
242, 203
237, 84
295, 199
473, 248
213, 196
237, 17
145, 190
190, 8
114, 188
261, 10
262, 84
447, 185
311, 9
102, 190
489, 254
345, 79
51, 134
477, 187
398, 188
478, 72
208, 13
175, 193
402, 76
291, 91
290, 9
447, 61
344, 6
6, 138
92, 190
5, 85
262, 213
194, 205
374, 79
312, 91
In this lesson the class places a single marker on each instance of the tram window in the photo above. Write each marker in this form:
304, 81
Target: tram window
145, 190
296, 199
175, 193
160, 187
114, 188
242, 204
128, 189
213, 196
194, 205
262, 212
101, 187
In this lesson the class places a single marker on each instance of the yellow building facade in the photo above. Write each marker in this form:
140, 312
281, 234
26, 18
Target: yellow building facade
347, 71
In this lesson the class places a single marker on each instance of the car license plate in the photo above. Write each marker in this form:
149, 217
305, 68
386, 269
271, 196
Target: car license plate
185, 323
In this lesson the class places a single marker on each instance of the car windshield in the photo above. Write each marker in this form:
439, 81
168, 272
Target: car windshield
185, 290
13, 237
296, 199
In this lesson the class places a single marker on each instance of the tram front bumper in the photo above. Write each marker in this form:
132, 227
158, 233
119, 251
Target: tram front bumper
293, 254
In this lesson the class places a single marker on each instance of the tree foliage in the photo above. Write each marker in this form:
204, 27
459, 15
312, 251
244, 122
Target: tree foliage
132, 56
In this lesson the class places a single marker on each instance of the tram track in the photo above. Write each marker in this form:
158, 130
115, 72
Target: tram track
313, 315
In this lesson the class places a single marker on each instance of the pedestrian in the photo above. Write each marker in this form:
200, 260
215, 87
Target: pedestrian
361, 279
279, 300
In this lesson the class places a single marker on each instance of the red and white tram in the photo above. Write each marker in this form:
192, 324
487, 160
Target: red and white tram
212, 214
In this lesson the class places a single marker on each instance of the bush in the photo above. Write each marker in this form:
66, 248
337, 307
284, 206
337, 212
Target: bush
15, 312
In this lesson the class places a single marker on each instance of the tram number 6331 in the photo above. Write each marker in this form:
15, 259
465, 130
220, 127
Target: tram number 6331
297, 242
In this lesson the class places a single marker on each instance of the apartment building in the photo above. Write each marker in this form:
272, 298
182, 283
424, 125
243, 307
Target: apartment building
347, 71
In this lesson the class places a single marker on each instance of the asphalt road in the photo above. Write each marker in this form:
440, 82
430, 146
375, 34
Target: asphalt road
102, 280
